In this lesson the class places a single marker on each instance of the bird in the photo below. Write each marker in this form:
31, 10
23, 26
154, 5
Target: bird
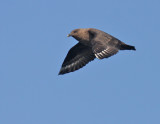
92, 43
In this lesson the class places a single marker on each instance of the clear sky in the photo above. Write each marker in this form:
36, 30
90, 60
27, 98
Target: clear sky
123, 89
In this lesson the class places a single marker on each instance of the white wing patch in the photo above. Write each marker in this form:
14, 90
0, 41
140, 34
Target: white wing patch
106, 53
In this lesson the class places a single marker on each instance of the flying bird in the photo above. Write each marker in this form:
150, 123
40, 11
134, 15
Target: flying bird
92, 43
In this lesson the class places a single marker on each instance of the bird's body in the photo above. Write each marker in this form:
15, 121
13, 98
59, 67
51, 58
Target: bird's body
93, 43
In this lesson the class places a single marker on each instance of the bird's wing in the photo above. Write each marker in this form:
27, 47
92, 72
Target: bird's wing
77, 57
104, 47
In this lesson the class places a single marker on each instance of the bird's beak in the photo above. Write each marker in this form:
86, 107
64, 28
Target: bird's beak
68, 35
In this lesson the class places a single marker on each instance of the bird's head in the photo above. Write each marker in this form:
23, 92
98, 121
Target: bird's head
80, 34
74, 33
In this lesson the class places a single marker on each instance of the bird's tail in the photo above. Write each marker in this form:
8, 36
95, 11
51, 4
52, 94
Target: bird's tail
124, 46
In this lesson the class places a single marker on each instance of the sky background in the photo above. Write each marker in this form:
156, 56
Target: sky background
123, 89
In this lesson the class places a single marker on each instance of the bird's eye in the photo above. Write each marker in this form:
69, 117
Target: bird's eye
75, 31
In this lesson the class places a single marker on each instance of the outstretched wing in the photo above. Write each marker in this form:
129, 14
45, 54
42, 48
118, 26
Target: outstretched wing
77, 57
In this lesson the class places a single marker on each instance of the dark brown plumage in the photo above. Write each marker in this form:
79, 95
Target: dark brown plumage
93, 43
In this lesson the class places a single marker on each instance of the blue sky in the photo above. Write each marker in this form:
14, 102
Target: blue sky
123, 89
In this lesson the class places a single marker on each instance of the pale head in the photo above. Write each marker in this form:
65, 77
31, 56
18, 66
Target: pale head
81, 34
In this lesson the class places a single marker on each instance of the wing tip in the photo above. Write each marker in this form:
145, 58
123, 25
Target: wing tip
65, 71
61, 72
